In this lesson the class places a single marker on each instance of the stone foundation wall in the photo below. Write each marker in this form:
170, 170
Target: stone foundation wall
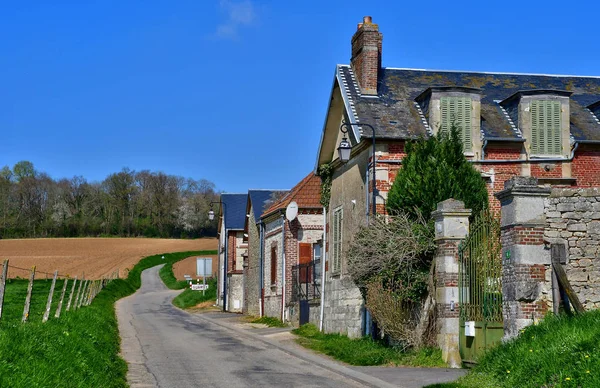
573, 219
343, 307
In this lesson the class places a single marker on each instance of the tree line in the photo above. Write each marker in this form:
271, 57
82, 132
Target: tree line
127, 203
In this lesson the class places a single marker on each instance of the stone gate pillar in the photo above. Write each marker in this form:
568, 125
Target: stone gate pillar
525, 259
451, 226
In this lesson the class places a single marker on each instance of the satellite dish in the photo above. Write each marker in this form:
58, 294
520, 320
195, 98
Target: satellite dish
292, 211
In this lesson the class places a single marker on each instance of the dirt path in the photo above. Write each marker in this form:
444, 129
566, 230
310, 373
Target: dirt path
94, 256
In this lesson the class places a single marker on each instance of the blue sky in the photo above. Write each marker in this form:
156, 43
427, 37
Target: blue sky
236, 91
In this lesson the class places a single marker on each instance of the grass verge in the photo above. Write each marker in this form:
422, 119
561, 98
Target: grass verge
189, 298
269, 321
559, 352
81, 349
364, 351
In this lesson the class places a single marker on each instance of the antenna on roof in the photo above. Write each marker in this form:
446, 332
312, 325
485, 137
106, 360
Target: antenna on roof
291, 212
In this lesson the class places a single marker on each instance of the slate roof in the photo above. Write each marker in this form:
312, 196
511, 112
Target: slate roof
396, 115
307, 194
262, 199
234, 210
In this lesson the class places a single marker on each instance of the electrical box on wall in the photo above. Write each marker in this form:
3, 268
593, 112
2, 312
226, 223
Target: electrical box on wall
470, 329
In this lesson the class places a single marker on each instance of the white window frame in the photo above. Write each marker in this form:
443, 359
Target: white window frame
336, 257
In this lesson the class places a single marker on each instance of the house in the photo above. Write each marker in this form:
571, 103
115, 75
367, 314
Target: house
257, 202
231, 249
291, 254
544, 126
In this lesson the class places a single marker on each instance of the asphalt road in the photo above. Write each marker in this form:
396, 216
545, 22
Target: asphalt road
168, 347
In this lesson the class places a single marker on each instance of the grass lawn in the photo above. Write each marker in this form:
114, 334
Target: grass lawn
81, 349
364, 351
559, 352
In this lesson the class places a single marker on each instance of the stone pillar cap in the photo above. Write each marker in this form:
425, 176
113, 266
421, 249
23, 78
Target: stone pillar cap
522, 185
451, 204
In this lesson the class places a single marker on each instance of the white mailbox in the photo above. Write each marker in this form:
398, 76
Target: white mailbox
470, 329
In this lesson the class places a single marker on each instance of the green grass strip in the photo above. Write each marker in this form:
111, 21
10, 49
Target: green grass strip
558, 352
81, 349
364, 351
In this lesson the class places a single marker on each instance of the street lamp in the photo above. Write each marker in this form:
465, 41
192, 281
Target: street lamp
344, 154
344, 148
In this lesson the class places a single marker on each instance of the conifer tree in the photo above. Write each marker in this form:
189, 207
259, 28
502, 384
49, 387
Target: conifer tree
434, 170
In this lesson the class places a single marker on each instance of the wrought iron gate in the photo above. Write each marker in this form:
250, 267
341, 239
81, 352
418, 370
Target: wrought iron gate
306, 286
480, 287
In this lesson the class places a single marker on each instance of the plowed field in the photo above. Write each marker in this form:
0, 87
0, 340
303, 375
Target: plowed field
94, 256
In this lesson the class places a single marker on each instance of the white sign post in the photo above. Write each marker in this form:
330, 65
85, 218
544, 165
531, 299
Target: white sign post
203, 267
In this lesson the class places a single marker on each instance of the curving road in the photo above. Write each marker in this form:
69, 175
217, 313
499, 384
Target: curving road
167, 347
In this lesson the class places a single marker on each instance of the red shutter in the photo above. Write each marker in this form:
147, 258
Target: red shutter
273, 265
305, 258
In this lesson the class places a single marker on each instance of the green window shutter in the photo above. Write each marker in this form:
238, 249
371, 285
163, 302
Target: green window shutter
536, 127
546, 131
457, 111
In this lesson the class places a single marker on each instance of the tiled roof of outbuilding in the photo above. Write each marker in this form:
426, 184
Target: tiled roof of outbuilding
307, 194
396, 115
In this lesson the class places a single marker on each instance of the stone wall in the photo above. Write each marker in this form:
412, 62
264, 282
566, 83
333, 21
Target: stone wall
235, 292
343, 307
573, 219
252, 283
272, 291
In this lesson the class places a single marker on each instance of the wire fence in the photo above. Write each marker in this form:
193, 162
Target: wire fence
43, 293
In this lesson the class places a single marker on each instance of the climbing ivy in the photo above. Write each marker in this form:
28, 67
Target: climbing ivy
325, 171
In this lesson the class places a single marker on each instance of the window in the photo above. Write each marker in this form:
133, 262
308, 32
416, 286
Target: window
457, 111
546, 126
317, 248
273, 265
336, 264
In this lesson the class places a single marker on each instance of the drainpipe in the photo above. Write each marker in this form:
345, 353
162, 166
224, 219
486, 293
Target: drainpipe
261, 266
323, 258
283, 268
226, 256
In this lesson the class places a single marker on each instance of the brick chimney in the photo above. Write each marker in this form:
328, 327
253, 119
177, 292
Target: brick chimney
366, 55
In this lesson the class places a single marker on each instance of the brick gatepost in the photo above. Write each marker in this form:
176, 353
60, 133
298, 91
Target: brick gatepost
525, 258
451, 227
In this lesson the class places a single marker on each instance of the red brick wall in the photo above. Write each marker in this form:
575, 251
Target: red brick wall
291, 254
586, 167
231, 252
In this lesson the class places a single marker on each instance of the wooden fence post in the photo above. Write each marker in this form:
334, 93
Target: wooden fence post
3, 284
28, 298
50, 295
85, 286
71, 294
76, 305
88, 295
62, 297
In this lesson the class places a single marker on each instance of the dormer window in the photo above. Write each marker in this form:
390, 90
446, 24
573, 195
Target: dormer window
445, 107
456, 112
543, 118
